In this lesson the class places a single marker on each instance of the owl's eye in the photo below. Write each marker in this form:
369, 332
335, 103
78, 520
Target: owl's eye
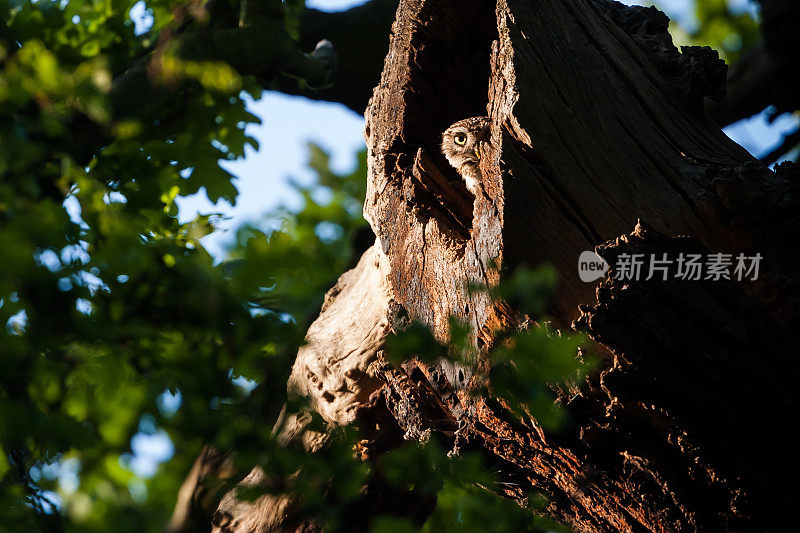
460, 139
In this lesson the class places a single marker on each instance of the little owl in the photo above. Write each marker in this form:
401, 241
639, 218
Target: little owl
461, 146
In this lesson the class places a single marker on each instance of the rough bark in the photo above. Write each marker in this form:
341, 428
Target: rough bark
597, 123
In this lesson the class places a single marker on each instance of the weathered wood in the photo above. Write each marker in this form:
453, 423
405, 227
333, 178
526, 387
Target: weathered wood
700, 386
331, 372
436, 73
602, 126
657, 440
331, 368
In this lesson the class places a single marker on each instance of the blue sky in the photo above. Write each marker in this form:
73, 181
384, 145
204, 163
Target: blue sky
289, 123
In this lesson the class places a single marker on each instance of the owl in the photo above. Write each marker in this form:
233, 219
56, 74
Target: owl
461, 146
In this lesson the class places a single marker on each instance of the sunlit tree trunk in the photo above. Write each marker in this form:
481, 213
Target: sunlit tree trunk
599, 138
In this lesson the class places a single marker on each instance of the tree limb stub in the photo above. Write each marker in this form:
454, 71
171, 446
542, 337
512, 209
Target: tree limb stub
331, 368
361, 37
435, 74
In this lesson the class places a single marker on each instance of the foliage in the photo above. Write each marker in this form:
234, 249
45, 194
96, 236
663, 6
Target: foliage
728, 26
462, 488
116, 323
527, 366
725, 27
315, 245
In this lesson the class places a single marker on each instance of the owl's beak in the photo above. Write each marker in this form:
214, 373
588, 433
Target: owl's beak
477, 151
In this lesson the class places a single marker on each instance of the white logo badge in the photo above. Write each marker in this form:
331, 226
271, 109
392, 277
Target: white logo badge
591, 266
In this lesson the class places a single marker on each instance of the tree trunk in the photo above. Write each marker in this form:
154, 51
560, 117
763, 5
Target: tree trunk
599, 139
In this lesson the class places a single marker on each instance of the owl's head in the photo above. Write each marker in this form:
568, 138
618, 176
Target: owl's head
461, 143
